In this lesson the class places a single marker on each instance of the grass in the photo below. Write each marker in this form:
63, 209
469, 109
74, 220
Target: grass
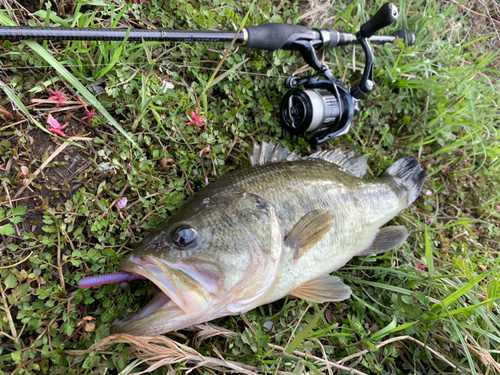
429, 307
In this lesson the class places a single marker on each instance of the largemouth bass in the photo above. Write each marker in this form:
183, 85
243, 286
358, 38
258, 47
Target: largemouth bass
277, 228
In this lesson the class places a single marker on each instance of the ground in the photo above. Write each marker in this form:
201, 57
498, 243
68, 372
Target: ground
428, 307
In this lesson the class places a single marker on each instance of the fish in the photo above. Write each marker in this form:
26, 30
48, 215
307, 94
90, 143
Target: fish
277, 228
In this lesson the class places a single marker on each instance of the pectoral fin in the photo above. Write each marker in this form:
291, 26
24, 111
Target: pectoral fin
387, 238
308, 231
324, 288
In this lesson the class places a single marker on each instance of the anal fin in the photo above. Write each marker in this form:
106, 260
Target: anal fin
322, 289
308, 231
387, 238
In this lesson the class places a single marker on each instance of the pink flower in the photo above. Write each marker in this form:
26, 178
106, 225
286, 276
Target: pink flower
122, 203
421, 266
90, 114
59, 96
129, 166
55, 127
206, 180
430, 220
428, 193
6, 113
197, 120
445, 169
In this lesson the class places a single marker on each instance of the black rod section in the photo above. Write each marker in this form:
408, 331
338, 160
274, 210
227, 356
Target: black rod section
15, 33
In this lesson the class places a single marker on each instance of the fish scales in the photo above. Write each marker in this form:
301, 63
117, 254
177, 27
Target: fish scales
360, 208
274, 229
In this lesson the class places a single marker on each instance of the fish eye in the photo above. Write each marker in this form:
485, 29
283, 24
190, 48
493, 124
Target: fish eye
184, 236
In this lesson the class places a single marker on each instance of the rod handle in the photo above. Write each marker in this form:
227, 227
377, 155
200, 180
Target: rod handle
274, 36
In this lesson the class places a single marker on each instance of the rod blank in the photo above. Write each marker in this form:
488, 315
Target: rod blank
16, 33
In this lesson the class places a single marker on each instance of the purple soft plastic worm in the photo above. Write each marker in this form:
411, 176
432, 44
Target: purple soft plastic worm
109, 278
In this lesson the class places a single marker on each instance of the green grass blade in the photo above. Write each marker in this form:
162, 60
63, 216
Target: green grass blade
299, 368
386, 330
52, 16
212, 77
80, 88
226, 74
115, 58
467, 308
119, 16
448, 301
466, 350
303, 334
392, 288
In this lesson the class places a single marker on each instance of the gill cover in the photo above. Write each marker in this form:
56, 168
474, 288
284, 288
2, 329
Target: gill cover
259, 220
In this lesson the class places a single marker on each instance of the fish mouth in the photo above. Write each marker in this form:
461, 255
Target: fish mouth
183, 296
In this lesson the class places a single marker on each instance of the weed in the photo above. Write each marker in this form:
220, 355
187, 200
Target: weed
163, 126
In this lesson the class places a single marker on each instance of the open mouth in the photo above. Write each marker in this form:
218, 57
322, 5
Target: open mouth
160, 298
178, 288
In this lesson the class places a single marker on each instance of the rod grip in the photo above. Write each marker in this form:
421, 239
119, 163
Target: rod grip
274, 36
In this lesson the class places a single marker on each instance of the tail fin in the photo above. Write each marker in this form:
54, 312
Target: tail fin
408, 176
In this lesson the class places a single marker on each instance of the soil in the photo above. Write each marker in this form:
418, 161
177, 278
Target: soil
56, 182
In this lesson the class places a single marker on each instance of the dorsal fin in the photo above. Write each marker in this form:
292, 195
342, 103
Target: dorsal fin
348, 161
269, 153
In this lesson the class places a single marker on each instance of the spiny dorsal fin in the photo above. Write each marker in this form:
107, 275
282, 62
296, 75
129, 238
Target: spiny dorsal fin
308, 231
387, 238
269, 153
348, 161
324, 288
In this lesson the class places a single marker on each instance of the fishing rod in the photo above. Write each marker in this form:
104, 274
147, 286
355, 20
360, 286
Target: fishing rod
324, 107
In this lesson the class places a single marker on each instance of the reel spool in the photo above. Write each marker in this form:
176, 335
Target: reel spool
322, 107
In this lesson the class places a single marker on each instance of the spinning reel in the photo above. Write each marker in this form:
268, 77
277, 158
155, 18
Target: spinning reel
324, 106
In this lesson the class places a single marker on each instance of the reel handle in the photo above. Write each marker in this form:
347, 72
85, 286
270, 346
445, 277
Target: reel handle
386, 15
407, 36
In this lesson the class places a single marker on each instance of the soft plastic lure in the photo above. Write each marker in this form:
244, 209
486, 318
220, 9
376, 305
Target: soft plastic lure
109, 278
